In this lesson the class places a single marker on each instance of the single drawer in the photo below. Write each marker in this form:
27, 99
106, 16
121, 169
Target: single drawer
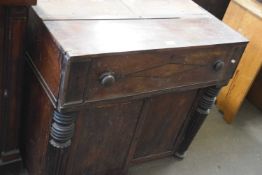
144, 72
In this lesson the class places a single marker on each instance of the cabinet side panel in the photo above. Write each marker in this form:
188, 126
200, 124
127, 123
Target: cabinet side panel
36, 119
44, 52
102, 138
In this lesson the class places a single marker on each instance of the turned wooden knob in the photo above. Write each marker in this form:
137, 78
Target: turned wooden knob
107, 79
218, 65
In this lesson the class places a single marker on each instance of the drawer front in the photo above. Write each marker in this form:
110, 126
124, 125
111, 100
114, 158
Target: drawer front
136, 73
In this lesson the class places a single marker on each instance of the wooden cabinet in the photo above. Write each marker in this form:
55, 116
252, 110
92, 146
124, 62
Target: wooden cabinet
108, 90
13, 16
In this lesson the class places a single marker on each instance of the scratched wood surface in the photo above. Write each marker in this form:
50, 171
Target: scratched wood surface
247, 21
189, 25
116, 9
137, 35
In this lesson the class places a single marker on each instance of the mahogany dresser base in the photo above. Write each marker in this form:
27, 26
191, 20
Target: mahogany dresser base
114, 83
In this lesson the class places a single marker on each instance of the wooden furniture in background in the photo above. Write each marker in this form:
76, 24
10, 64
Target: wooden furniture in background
13, 14
216, 7
114, 83
255, 92
246, 17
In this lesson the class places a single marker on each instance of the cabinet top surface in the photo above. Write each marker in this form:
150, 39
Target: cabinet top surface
91, 27
116, 9
18, 2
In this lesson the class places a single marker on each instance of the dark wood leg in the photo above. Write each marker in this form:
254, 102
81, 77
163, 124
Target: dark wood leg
197, 119
60, 140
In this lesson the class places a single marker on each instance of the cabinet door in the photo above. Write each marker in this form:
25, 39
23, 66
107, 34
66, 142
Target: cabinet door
102, 138
163, 120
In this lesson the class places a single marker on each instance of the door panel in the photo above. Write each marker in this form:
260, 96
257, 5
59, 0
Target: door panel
163, 121
103, 137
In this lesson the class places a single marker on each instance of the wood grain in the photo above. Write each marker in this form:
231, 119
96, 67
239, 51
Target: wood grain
232, 96
44, 52
148, 72
108, 129
116, 9
138, 35
166, 122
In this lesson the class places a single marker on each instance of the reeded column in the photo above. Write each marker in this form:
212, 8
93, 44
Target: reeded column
198, 117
